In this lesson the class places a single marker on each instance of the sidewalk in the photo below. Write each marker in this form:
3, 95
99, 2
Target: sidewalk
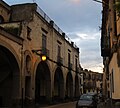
110, 104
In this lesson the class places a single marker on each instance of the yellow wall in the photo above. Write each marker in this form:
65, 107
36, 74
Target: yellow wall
116, 75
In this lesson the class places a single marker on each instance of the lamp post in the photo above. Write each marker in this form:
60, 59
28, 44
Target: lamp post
38, 52
98, 1
102, 2
22, 71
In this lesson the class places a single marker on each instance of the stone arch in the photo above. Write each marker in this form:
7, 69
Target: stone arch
69, 86
11, 49
9, 77
58, 85
42, 83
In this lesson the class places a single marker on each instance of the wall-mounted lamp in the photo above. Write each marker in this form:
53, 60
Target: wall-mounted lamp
42, 56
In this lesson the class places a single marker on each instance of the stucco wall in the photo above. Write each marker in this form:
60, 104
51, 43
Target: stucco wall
113, 67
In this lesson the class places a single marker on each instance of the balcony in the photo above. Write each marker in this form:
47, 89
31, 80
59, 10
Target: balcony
87, 85
105, 52
13, 28
70, 66
59, 60
45, 51
105, 46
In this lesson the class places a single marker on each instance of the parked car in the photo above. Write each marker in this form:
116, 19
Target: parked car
88, 100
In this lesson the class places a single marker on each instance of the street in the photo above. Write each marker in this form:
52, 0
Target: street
73, 104
63, 105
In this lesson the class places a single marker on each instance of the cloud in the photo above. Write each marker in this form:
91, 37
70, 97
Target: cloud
69, 16
85, 36
89, 44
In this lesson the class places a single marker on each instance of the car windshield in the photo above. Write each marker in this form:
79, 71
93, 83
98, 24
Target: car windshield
86, 97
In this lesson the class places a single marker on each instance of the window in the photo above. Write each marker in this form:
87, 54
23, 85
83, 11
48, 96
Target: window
1, 19
68, 58
76, 63
112, 81
44, 41
28, 33
59, 50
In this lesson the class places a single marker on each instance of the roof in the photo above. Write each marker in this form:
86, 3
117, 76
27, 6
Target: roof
5, 5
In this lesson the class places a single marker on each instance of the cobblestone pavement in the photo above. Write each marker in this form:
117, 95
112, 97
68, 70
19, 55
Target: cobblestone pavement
72, 105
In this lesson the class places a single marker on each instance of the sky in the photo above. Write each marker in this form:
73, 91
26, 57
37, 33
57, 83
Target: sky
81, 21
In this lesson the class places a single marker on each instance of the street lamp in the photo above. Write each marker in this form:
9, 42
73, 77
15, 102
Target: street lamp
43, 57
98, 1
38, 52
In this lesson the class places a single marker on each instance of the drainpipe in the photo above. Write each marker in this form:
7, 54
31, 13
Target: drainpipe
22, 70
111, 89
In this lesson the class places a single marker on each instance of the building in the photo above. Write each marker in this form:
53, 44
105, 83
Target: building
110, 49
92, 81
26, 35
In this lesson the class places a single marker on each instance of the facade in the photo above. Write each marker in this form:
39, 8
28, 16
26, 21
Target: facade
92, 81
110, 49
26, 34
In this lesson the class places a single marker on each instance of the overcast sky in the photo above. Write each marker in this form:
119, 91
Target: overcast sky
80, 20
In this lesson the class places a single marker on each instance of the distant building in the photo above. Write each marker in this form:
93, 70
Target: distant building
92, 81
